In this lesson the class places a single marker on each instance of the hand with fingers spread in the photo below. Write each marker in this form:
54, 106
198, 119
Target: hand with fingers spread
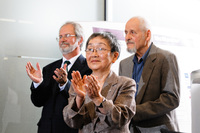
93, 89
78, 84
61, 75
87, 86
79, 87
35, 75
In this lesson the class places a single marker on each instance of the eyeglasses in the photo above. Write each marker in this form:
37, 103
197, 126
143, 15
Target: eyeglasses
98, 50
64, 37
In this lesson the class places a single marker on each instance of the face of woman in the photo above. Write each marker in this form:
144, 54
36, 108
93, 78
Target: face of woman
99, 56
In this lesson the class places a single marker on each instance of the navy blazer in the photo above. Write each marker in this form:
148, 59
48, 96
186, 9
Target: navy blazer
49, 96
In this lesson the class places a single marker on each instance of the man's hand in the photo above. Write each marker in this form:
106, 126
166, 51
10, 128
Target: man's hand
35, 75
61, 75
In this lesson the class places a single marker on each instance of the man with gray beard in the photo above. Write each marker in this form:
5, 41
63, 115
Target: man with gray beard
49, 88
157, 80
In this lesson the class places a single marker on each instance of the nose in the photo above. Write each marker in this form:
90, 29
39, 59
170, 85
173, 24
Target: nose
95, 51
128, 36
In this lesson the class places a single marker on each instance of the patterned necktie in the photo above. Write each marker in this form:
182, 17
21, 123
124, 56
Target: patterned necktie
67, 62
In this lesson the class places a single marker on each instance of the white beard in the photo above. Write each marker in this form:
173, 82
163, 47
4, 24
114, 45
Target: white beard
131, 50
68, 49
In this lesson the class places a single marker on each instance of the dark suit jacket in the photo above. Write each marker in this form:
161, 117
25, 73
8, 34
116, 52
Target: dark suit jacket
49, 96
159, 89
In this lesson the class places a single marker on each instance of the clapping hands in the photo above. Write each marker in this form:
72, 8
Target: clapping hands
88, 85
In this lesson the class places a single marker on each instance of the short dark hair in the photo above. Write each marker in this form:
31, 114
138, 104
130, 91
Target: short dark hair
112, 39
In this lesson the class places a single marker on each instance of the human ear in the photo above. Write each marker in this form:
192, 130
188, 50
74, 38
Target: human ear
80, 40
148, 33
115, 56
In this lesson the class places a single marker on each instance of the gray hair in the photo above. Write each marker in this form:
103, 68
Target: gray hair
78, 30
113, 42
144, 23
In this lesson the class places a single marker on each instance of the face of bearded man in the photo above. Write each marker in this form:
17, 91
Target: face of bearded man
67, 44
137, 38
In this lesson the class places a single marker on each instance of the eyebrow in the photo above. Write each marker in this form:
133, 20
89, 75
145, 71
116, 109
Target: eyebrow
97, 43
66, 33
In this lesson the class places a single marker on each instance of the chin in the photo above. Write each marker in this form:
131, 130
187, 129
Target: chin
93, 67
65, 51
131, 50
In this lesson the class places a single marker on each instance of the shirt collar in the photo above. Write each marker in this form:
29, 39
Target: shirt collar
72, 60
135, 59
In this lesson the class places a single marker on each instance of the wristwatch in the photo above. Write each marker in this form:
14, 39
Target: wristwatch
101, 104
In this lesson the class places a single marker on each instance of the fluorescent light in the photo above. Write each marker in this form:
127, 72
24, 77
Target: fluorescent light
41, 58
5, 58
13, 20
7, 20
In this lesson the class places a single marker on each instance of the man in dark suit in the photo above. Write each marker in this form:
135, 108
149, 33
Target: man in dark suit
156, 74
50, 86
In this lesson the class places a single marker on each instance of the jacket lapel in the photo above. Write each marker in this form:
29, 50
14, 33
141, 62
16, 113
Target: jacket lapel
130, 69
108, 90
76, 66
146, 73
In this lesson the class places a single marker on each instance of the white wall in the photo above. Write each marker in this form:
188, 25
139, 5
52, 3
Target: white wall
174, 14
28, 29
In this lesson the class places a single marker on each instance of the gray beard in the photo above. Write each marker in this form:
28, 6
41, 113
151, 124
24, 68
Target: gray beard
133, 50
69, 49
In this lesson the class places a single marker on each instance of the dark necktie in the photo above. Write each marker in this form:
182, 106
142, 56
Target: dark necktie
67, 62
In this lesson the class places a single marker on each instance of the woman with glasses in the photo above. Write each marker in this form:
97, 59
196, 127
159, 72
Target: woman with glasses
102, 101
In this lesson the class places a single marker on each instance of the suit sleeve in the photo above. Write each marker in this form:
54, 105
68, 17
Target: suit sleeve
41, 94
66, 89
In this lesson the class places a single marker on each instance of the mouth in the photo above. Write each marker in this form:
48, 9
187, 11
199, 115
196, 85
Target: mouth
128, 42
95, 61
64, 44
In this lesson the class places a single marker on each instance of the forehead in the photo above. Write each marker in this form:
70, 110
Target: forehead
98, 41
69, 28
133, 24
